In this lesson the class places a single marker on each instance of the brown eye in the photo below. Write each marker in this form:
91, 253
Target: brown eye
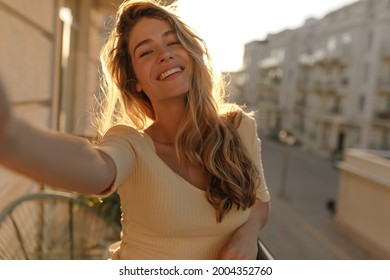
174, 43
145, 53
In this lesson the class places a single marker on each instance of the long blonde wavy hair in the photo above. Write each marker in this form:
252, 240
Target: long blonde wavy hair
207, 136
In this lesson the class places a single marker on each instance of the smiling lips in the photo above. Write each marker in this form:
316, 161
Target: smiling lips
169, 72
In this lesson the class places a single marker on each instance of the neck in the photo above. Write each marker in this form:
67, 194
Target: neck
165, 127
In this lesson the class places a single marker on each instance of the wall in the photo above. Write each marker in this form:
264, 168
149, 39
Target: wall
363, 208
28, 51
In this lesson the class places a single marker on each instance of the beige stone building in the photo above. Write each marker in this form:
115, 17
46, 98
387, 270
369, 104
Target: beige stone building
327, 81
363, 211
49, 53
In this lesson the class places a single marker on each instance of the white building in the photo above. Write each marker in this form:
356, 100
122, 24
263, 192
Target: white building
327, 81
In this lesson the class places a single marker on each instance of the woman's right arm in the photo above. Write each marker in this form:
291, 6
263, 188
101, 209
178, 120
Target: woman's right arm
59, 160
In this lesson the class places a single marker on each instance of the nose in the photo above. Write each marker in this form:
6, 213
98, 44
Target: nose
165, 55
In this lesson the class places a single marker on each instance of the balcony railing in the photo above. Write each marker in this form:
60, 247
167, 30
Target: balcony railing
384, 115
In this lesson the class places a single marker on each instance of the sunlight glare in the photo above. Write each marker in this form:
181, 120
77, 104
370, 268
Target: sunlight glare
227, 25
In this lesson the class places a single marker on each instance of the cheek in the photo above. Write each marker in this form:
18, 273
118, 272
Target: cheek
190, 70
187, 57
190, 63
137, 70
140, 75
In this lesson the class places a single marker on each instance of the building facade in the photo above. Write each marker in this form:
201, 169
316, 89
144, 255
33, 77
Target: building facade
328, 81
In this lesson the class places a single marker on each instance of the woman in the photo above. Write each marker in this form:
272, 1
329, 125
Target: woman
187, 166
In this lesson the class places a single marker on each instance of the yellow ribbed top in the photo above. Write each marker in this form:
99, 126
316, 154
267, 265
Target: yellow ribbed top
164, 216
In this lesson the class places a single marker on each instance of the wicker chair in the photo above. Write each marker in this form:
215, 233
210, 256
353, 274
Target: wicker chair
54, 225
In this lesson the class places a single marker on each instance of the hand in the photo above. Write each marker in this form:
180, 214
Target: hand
240, 247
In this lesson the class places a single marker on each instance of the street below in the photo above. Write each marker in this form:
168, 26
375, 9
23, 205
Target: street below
304, 189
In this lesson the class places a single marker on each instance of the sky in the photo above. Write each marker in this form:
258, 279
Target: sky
227, 25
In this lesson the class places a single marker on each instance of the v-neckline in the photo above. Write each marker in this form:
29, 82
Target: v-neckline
153, 146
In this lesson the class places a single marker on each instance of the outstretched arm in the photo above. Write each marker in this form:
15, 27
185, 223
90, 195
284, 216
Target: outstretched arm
59, 160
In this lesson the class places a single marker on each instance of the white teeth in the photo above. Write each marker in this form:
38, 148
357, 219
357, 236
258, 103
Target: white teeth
169, 72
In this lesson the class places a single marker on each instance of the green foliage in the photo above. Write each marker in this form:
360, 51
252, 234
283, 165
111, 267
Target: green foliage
109, 207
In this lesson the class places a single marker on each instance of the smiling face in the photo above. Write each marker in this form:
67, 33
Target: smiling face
162, 66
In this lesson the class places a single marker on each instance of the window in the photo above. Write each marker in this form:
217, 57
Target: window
362, 101
366, 71
331, 44
346, 38
370, 40
63, 121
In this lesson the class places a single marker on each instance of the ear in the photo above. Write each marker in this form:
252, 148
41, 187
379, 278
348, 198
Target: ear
138, 87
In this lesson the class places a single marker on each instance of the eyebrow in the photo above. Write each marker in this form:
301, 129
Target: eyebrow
146, 41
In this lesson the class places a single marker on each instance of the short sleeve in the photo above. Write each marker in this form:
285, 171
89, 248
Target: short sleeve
117, 145
248, 133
